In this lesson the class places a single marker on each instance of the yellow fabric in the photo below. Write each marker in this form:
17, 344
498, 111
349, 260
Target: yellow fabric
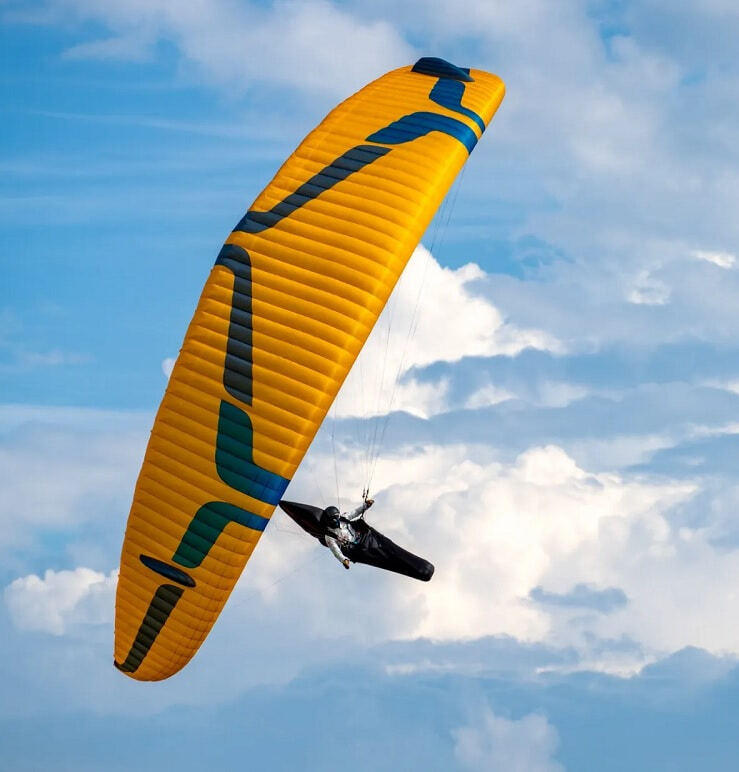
320, 277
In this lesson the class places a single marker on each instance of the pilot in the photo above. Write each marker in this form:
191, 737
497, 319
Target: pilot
339, 530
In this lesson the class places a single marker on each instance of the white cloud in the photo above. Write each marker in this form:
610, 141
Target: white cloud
646, 290
496, 531
492, 743
168, 366
60, 467
128, 47
731, 427
232, 45
590, 305
721, 259
559, 393
61, 600
731, 386
487, 395
544, 393
616, 452
433, 315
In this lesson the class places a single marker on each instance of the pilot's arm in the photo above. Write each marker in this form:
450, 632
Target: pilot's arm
333, 545
359, 511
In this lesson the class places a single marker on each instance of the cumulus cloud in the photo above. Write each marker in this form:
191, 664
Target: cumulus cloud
492, 743
62, 600
434, 315
539, 549
501, 530
501, 534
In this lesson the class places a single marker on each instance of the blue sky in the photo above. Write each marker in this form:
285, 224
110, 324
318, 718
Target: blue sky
564, 432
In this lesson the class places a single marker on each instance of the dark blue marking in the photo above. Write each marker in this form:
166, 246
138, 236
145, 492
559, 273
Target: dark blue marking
161, 606
352, 161
449, 93
432, 65
235, 462
167, 571
236, 259
237, 371
207, 526
415, 125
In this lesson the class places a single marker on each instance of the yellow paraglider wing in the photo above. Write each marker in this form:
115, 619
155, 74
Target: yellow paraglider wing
291, 300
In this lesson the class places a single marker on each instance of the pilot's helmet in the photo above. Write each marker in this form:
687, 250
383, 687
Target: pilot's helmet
330, 517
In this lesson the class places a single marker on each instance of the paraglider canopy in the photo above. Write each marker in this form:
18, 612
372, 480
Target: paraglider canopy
292, 297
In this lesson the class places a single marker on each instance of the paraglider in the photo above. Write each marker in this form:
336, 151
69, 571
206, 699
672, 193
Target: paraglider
352, 540
293, 295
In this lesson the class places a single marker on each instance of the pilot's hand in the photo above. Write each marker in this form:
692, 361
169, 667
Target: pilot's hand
370, 502
346, 562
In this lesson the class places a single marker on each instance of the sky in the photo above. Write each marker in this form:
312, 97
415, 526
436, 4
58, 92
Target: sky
561, 441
